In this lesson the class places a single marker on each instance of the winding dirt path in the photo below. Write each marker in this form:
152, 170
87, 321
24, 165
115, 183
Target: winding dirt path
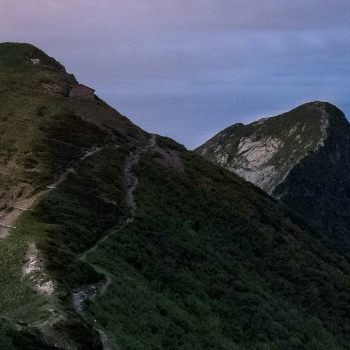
71, 169
47, 326
89, 292
131, 180
20, 205
104, 340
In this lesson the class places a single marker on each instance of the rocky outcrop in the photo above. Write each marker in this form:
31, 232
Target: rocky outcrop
301, 157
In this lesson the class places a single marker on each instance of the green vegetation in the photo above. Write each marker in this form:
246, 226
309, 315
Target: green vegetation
212, 262
83, 210
27, 338
318, 188
17, 299
209, 262
42, 134
17, 55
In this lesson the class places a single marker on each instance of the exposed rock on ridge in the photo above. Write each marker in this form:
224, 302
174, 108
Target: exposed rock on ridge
265, 151
301, 157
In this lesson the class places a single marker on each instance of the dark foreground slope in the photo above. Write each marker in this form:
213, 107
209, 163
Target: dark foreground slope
144, 245
301, 157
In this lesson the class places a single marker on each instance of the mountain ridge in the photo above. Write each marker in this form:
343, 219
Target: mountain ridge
265, 139
307, 170
178, 253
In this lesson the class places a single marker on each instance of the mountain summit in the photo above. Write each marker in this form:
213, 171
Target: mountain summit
301, 157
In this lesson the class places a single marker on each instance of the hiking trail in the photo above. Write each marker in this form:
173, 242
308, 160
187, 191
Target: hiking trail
89, 292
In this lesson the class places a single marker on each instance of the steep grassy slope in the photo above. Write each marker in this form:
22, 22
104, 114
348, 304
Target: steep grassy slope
212, 262
44, 133
318, 187
41, 129
141, 244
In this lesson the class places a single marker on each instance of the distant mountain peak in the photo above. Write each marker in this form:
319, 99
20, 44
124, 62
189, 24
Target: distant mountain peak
265, 151
301, 157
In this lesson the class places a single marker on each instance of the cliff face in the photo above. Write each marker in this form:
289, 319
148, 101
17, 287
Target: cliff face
301, 157
264, 152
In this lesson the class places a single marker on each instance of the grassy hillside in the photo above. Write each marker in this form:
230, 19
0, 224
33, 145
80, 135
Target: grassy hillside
207, 261
44, 133
212, 262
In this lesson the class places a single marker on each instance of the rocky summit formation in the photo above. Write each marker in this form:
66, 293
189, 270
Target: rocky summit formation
301, 157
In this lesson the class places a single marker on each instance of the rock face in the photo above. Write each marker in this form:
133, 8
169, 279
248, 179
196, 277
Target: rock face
301, 157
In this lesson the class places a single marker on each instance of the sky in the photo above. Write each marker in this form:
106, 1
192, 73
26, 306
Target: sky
189, 68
